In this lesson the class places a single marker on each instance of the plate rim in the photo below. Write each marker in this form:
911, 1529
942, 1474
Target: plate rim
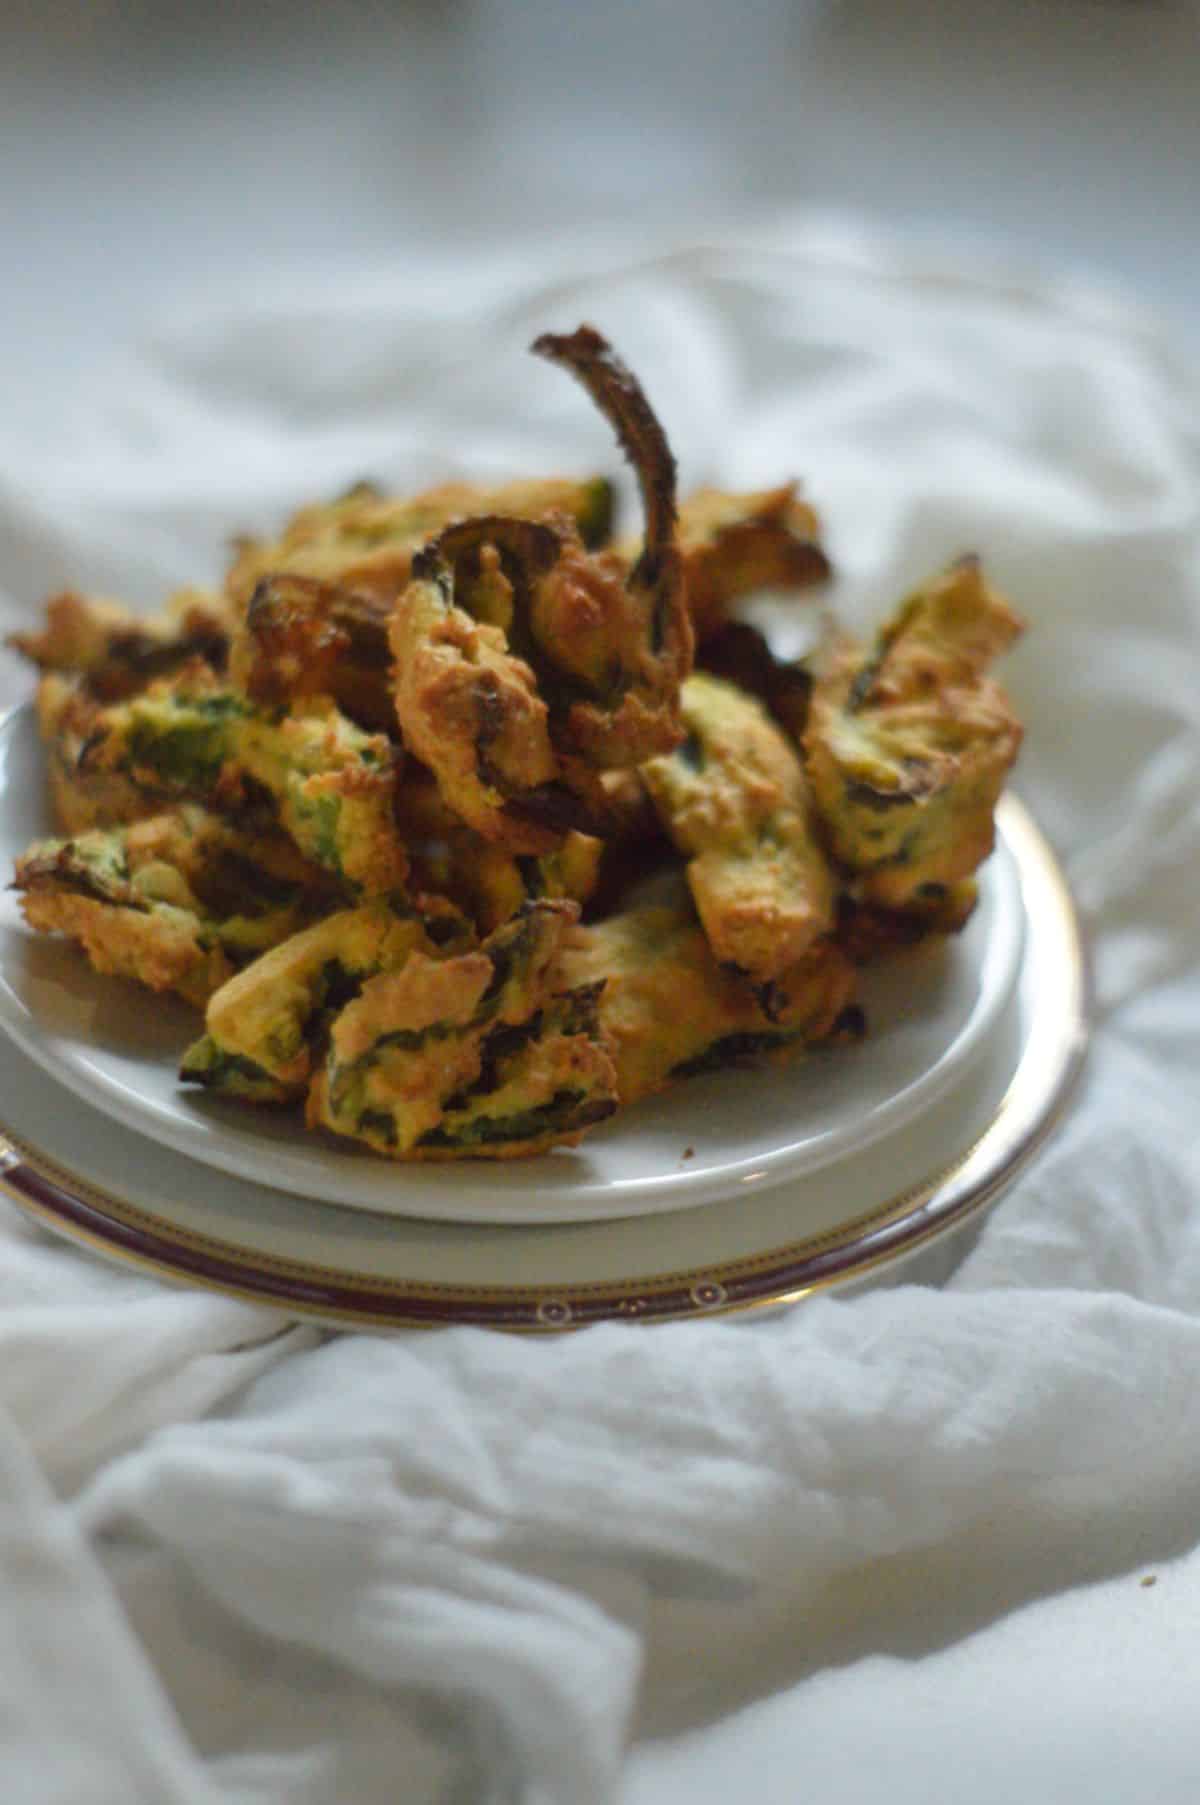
629, 1196
1037, 1093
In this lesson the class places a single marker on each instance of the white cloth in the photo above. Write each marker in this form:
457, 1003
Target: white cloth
472, 1567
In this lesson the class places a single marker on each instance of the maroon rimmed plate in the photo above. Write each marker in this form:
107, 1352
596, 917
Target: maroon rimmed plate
96, 1181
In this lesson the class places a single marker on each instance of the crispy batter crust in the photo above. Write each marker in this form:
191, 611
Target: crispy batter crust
735, 801
667, 1007
471, 711
175, 900
80, 799
732, 544
118, 652
908, 743
159, 950
478, 1055
365, 541
523, 663
332, 785
302, 638
267, 1016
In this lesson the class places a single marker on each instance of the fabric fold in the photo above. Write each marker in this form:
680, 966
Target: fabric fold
441, 1565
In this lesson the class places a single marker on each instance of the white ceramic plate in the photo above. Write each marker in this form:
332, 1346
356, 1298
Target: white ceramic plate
930, 1013
89, 1178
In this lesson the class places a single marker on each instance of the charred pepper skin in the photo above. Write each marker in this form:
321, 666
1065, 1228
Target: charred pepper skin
634, 664
524, 664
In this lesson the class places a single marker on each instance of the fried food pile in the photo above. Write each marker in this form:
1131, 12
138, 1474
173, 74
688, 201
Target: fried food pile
466, 824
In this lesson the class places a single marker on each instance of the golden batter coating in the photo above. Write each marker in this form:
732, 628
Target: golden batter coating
332, 785
867, 931
316, 620
485, 881
496, 886
543, 1085
734, 544
264, 1027
480, 1055
735, 800
158, 945
117, 651
334, 788
302, 637
668, 1009
365, 541
524, 664
470, 710
908, 742
176, 901
81, 799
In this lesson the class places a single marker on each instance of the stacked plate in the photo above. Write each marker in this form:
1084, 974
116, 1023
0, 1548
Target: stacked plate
734, 1190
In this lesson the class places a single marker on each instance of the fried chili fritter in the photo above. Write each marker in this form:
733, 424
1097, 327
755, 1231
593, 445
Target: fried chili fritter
618, 636
156, 944
486, 882
117, 652
868, 931
908, 742
177, 901
524, 663
480, 1054
315, 606
264, 1027
81, 799
302, 637
315, 621
469, 708
733, 544
735, 800
668, 1010
354, 805
364, 541
331, 785
542, 1084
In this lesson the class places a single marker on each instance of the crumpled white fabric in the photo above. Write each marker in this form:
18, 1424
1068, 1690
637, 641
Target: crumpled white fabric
463, 1566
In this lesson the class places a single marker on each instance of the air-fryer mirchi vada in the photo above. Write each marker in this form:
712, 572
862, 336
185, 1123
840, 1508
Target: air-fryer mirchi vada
481, 1053
355, 804
524, 663
735, 800
331, 785
908, 741
668, 1009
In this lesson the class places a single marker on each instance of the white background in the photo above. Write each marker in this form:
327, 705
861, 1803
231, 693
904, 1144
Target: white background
151, 151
